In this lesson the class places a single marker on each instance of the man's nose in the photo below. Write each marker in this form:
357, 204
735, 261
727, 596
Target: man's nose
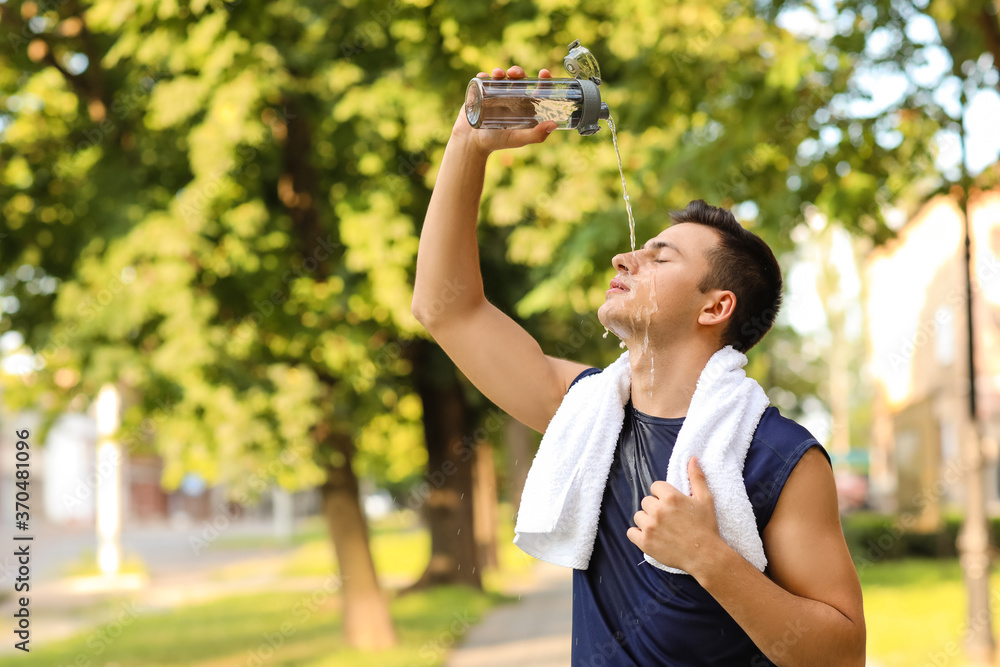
624, 261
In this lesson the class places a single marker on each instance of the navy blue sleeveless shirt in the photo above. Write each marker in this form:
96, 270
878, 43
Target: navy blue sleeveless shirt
627, 613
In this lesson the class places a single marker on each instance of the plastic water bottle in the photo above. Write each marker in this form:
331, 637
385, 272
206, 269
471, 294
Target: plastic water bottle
509, 104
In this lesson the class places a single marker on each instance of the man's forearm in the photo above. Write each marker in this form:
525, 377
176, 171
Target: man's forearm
448, 278
789, 629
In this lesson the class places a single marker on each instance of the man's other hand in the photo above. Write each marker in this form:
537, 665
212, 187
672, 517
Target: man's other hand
676, 529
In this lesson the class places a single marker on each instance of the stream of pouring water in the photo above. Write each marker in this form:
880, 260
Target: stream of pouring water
628, 204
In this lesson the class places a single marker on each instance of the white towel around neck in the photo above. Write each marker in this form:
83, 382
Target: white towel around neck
561, 501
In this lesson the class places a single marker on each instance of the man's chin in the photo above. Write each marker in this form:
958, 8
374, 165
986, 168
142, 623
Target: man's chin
609, 320
604, 315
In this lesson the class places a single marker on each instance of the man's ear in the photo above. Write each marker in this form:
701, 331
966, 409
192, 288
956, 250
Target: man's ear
718, 309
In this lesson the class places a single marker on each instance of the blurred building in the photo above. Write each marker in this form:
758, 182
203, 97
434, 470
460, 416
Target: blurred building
917, 330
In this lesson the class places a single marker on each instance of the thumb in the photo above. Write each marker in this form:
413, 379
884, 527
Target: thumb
699, 484
543, 130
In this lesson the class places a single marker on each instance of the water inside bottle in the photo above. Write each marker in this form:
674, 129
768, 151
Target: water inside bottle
628, 204
501, 113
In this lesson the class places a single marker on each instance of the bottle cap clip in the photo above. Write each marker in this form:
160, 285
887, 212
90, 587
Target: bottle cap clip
582, 65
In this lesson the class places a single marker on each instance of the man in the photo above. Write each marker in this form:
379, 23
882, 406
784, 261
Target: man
699, 285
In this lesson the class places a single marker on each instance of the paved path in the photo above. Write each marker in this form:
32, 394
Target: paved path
534, 632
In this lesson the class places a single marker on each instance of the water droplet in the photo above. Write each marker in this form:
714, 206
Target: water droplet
606, 332
621, 344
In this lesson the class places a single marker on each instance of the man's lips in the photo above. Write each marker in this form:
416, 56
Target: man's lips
617, 287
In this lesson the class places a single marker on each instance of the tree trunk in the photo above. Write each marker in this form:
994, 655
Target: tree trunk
519, 451
840, 390
974, 555
973, 539
484, 505
367, 624
298, 187
990, 22
446, 494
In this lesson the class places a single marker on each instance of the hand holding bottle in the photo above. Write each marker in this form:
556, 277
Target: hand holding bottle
493, 140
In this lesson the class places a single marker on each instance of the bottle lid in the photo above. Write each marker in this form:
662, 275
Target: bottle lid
581, 63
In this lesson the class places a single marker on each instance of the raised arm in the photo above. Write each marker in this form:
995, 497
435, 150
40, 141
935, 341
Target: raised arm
497, 355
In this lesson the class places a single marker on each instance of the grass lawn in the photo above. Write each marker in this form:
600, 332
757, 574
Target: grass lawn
299, 629
915, 611
86, 565
396, 540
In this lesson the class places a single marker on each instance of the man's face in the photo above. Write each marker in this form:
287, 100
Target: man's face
654, 294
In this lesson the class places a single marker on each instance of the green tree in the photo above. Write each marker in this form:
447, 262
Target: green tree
171, 167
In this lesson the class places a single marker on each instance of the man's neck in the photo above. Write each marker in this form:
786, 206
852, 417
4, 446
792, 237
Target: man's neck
664, 380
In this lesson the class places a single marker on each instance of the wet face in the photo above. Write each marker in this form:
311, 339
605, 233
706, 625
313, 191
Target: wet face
654, 294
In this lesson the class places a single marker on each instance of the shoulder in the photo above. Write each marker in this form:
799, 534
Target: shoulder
777, 447
586, 373
778, 435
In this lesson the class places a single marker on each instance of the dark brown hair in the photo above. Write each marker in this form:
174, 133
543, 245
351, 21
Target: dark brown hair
742, 263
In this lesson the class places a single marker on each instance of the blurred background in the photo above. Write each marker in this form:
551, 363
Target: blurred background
244, 450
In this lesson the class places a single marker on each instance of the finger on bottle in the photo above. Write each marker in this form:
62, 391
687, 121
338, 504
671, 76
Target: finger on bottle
481, 75
544, 89
516, 72
499, 73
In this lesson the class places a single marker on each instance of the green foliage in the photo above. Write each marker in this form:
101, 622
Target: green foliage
942, 52
184, 195
873, 537
220, 202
